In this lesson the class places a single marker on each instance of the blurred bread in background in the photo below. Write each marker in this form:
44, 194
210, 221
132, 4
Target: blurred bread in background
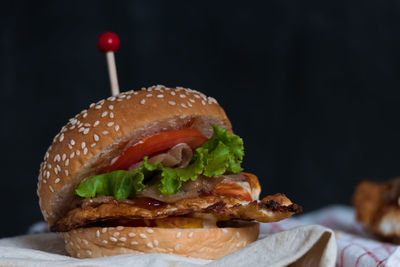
377, 208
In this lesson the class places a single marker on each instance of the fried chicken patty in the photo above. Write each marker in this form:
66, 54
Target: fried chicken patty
270, 209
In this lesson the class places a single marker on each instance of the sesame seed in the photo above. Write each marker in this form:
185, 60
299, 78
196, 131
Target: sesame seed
55, 170
129, 97
98, 107
143, 101
190, 234
89, 252
98, 233
48, 174
111, 123
149, 95
189, 104
111, 98
116, 234
104, 114
191, 100
111, 107
119, 228
160, 96
104, 241
131, 234
92, 105
85, 151
49, 166
64, 157
182, 96
173, 93
224, 230
150, 245
183, 105
85, 241
72, 127
196, 96
83, 145
81, 129
51, 188
155, 242
86, 124
96, 137
143, 236
105, 132
44, 181
178, 234
116, 128
96, 123
113, 239
237, 234
104, 230
92, 145
66, 172
72, 155
69, 146
84, 115
111, 115
78, 152
171, 103
134, 243
123, 239
150, 231
203, 102
57, 180
61, 137
86, 131
72, 142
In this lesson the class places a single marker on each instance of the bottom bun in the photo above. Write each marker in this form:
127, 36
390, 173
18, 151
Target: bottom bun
210, 244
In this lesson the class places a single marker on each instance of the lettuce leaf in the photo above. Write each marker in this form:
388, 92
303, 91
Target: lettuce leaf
222, 153
120, 184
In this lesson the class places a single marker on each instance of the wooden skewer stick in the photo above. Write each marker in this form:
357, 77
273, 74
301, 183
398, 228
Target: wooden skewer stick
108, 43
112, 72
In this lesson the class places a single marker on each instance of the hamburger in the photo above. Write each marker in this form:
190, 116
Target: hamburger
153, 171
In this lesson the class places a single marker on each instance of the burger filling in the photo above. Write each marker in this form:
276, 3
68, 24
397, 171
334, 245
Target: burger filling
176, 179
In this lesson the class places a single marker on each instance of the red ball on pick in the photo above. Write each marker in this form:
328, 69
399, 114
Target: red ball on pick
108, 41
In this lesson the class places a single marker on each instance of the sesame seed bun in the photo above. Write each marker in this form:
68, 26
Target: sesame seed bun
210, 244
90, 140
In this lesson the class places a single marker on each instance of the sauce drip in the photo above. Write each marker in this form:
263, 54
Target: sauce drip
148, 203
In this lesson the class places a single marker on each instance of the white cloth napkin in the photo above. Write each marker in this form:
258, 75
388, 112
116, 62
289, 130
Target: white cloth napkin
355, 247
308, 245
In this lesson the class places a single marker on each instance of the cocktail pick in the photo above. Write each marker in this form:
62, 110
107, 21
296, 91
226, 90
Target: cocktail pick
108, 43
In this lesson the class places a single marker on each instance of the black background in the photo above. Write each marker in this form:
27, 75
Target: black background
312, 86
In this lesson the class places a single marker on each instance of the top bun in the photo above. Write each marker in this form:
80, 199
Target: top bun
91, 139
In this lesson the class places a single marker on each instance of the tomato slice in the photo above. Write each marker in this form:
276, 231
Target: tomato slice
156, 144
232, 189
